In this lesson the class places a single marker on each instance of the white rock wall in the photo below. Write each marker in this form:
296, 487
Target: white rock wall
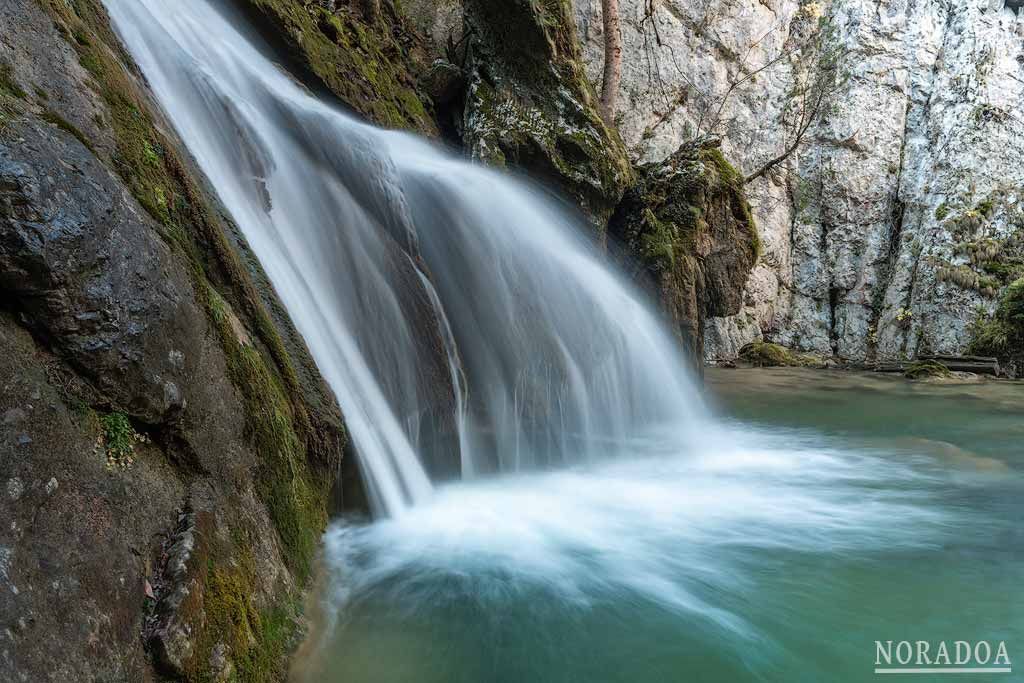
859, 259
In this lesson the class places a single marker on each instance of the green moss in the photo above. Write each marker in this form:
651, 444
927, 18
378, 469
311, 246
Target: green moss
1011, 307
59, 121
1004, 271
1002, 334
296, 502
942, 211
726, 171
733, 182
657, 243
368, 66
765, 355
257, 639
8, 86
926, 369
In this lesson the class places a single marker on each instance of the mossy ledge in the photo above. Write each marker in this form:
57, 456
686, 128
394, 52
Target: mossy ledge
686, 232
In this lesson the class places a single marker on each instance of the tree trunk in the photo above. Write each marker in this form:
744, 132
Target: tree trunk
612, 59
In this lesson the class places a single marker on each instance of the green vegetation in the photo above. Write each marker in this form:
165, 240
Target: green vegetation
365, 64
926, 369
294, 498
658, 243
733, 181
942, 211
118, 439
8, 86
1002, 334
56, 119
767, 355
228, 616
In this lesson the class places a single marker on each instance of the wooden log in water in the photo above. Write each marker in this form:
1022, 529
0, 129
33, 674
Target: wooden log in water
980, 365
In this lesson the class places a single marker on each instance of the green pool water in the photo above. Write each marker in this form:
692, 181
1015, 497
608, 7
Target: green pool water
822, 512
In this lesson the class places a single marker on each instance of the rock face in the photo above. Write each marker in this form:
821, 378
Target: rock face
689, 236
530, 106
167, 449
900, 214
368, 62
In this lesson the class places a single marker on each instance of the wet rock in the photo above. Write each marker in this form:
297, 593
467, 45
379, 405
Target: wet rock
73, 241
105, 312
443, 81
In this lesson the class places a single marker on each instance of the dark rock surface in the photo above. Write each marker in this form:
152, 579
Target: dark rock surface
529, 105
86, 267
167, 448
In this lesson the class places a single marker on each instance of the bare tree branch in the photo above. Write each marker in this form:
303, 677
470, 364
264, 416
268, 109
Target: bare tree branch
612, 59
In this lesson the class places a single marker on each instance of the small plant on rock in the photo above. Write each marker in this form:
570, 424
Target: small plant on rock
117, 440
1002, 335
904, 317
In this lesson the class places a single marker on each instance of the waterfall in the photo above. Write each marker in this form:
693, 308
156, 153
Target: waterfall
453, 310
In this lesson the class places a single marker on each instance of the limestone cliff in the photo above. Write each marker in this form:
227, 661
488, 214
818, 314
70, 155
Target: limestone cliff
899, 217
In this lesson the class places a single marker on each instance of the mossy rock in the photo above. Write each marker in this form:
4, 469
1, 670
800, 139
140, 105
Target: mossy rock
685, 232
529, 104
926, 369
768, 355
371, 65
296, 449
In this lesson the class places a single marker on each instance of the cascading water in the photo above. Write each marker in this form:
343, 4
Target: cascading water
381, 246
455, 311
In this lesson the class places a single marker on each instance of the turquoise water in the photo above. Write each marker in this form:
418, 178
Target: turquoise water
830, 511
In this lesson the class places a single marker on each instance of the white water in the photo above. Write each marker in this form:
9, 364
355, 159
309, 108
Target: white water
675, 530
382, 247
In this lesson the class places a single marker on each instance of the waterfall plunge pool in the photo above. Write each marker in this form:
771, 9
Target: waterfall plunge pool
830, 511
